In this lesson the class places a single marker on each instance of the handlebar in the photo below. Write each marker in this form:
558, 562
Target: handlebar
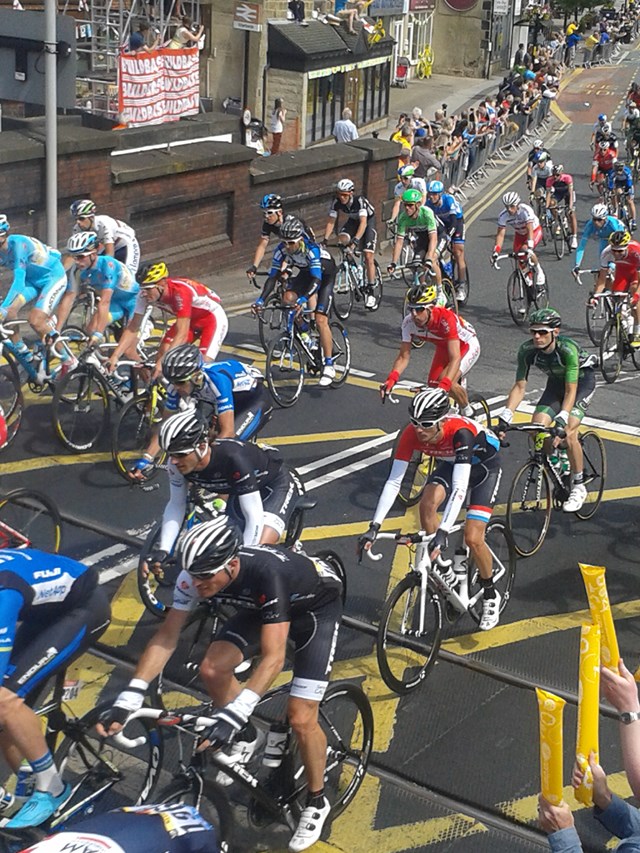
157, 714
399, 539
552, 431
577, 274
521, 255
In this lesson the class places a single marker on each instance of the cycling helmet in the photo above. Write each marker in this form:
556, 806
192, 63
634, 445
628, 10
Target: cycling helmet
406, 171
619, 239
544, 156
207, 548
538, 143
599, 211
619, 165
429, 407
602, 118
83, 243
83, 207
182, 432
4, 224
345, 186
412, 196
511, 199
558, 169
606, 127
271, 201
291, 228
421, 295
635, 113
603, 144
435, 187
545, 318
181, 363
150, 274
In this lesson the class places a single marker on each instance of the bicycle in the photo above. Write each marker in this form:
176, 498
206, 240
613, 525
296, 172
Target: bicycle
621, 206
410, 628
538, 201
523, 294
560, 229
596, 309
448, 267
406, 254
138, 420
615, 342
424, 65
350, 283
278, 794
29, 519
294, 352
272, 315
538, 487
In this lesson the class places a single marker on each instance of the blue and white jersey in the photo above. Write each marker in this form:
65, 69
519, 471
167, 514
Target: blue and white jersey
448, 210
107, 273
33, 263
620, 180
307, 256
222, 380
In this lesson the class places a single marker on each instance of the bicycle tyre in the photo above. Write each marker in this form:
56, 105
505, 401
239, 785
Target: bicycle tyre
449, 292
416, 476
80, 409
421, 71
271, 322
517, 298
559, 242
481, 410
611, 351
595, 472
131, 435
334, 560
343, 293
211, 801
522, 503
377, 288
340, 352
79, 754
498, 538
406, 255
403, 669
285, 370
596, 317
11, 397
34, 517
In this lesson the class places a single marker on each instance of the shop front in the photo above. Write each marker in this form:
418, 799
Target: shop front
419, 28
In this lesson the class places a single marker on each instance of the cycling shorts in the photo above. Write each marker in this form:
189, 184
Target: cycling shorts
456, 231
420, 244
369, 239
484, 483
212, 331
252, 410
629, 192
122, 306
469, 351
551, 401
46, 297
278, 502
51, 636
620, 283
520, 240
129, 255
301, 285
314, 635
560, 194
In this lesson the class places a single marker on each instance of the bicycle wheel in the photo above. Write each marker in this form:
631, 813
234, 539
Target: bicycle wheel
481, 410
340, 352
285, 370
416, 476
11, 398
529, 508
132, 433
80, 409
450, 294
346, 719
421, 70
343, 293
611, 351
156, 592
517, 298
540, 294
272, 320
103, 774
75, 338
500, 543
559, 243
464, 288
406, 255
595, 472
403, 668
29, 519
596, 320
336, 563
208, 798
377, 289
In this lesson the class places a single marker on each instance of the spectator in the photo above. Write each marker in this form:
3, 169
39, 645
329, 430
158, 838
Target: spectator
140, 41
352, 12
423, 158
404, 136
344, 129
278, 116
522, 58
186, 35
589, 46
296, 7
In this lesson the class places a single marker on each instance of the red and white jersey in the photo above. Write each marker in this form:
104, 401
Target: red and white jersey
520, 220
461, 440
185, 298
604, 160
444, 325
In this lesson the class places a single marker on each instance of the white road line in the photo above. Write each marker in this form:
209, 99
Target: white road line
624, 429
107, 575
92, 559
343, 454
348, 469
364, 373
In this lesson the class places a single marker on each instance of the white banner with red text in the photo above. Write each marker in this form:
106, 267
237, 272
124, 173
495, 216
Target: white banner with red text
162, 85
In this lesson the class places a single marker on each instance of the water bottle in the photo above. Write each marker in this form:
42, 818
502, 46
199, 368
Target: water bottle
305, 337
460, 563
25, 781
276, 747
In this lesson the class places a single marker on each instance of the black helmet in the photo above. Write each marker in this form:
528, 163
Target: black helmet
429, 407
291, 228
207, 548
181, 363
181, 432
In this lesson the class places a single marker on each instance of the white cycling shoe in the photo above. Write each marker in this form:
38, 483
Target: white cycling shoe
490, 612
328, 375
577, 496
240, 752
309, 827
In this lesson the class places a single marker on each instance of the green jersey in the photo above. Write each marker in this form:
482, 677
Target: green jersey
425, 221
566, 363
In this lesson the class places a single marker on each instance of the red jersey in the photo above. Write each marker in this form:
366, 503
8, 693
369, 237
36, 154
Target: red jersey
605, 159
627, 268
461, 440
444, 325
184, 297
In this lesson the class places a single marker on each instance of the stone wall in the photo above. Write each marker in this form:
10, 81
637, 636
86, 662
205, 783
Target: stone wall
456, 40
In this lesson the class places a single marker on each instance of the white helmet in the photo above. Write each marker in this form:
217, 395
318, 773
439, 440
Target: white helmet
635, 113
603, 144
606, 127
544, 156
538, 143
599, 211
510, 199
345, 186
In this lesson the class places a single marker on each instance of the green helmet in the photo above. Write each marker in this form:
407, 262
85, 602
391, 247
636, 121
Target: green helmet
545, 317
413, 196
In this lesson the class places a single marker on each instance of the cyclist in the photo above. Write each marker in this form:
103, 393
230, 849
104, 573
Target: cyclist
170, 827
38, 277
527, 228
621, 183
561, 190
468, 457
230, 393
118, 289
571, 382
271, 204
407, 181
632, 130
601, 226
278, 594
540, 171
604, 159
52, 609
313, 284
358, 230
625, 254
421, 223
597, 126
532, 158
198, 311
448, 211
606, 134
457, 345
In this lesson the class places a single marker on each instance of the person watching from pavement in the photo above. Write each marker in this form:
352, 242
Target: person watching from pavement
344, 129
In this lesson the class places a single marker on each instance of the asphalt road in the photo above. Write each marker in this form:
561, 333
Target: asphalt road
456, 763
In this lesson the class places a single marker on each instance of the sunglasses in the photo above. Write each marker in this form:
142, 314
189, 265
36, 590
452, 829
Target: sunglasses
598, 218
418, 309
210, 574
420, 425
179, 454
540, 331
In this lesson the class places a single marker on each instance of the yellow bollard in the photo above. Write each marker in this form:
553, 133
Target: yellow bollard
596, 587
550, 709
588, 708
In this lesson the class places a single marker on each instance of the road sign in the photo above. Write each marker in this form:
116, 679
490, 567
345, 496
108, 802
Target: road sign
247, 17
